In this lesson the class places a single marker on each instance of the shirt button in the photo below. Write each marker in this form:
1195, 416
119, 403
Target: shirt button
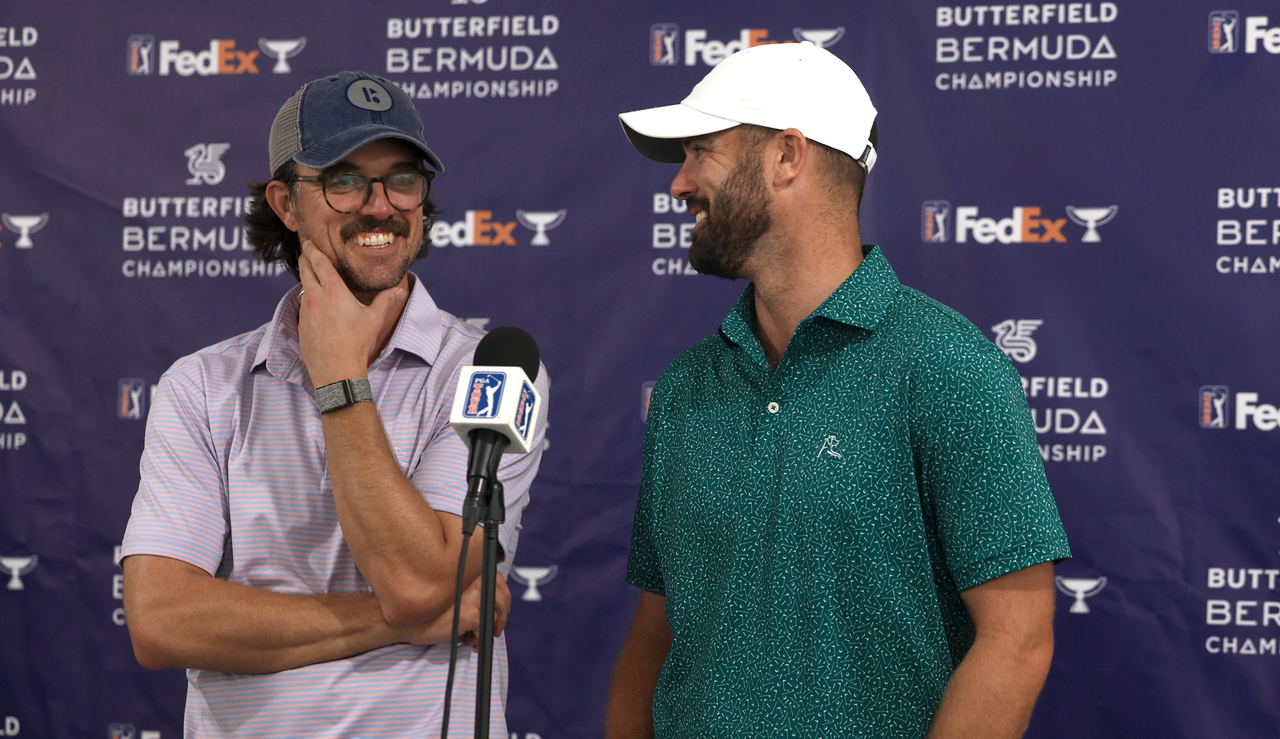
773, 407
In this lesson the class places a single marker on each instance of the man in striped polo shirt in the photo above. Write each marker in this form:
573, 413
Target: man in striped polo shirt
296, 532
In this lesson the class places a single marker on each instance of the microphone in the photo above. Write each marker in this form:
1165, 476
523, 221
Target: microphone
495, 409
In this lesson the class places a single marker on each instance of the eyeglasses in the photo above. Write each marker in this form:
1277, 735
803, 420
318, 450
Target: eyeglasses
347, 192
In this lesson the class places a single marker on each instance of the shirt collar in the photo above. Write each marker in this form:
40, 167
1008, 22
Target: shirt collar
861, 300
420, 332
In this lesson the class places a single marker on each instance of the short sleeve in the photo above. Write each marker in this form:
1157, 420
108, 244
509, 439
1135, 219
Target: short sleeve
180, 510
979, 466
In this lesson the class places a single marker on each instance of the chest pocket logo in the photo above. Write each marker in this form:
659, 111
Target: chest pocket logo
828, 447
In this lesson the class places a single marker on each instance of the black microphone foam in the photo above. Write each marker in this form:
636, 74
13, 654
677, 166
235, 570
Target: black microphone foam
508, 346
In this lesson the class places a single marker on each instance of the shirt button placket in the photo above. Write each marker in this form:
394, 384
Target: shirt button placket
772, 407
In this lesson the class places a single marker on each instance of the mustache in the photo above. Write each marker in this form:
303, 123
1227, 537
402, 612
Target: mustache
390, 224
702, 203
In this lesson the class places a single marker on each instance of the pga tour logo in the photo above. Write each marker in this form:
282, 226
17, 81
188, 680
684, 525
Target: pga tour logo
663, 38
130, 398
485, 396
1215, 409
524, 410
934, 216
1224, 32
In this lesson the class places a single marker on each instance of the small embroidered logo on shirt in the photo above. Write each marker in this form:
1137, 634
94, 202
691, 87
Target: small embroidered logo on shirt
829, 445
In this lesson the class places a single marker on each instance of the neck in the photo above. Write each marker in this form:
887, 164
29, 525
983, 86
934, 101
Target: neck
796, 276
393, 317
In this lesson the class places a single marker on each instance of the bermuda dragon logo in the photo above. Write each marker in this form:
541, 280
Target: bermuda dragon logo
204, 162
1014, 338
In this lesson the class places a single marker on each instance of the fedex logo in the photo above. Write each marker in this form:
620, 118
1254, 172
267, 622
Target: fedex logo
477, 228
1024, 227
712, 52
1265, 417
221, 57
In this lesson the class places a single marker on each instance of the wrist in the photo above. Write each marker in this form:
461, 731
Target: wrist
336, 395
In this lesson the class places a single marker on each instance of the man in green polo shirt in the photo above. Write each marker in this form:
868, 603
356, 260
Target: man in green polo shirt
844, 527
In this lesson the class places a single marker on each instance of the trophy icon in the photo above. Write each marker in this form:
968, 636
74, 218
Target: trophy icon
17, 567
540, 222
280, 50
1091, 218
1080, 588
25, 226
531, 577
819, 37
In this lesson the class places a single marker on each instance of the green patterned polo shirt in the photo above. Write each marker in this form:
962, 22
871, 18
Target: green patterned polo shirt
812, 527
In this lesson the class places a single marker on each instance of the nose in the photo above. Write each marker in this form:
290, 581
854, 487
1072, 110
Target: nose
378, 205
683, 186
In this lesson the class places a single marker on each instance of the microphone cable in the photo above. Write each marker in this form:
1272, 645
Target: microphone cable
453, 638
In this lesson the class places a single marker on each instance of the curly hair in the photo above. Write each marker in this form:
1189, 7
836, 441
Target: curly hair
275, 242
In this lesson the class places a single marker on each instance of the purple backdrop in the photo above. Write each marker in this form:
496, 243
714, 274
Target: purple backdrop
1093, 184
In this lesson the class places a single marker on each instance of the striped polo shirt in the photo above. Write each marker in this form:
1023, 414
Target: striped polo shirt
234, 481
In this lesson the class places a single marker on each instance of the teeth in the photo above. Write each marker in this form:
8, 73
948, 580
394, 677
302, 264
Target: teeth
373, 239
701, 215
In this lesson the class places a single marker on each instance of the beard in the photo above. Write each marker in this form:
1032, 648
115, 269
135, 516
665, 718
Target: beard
730, 232
365, 283
357, 282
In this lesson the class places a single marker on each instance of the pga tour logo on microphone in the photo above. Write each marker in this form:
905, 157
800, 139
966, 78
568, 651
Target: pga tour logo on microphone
484, 394
483, 401
524, 410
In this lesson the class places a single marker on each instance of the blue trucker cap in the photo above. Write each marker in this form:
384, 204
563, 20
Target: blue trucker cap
331, 117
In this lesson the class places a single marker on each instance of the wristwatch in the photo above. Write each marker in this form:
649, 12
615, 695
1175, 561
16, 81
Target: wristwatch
343, 393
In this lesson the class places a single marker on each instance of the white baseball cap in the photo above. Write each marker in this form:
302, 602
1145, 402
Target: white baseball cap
792, 85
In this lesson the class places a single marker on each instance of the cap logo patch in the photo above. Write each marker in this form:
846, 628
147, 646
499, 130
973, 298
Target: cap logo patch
369, 95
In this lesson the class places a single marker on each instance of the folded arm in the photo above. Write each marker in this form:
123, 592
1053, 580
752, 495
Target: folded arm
180, 616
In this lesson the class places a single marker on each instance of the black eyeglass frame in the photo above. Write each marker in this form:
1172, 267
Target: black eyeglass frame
325, 178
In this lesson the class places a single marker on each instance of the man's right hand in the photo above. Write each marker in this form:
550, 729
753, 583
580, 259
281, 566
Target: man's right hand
440, 629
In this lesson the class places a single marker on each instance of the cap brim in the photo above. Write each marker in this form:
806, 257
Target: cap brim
332, 150
657, 132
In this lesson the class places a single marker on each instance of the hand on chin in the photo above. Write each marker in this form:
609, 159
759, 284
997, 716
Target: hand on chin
337, 334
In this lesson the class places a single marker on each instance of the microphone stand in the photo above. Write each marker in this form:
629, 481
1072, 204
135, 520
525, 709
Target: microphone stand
493, 512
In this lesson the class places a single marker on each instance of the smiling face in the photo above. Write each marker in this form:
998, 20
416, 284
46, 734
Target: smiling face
372, 247
722, 180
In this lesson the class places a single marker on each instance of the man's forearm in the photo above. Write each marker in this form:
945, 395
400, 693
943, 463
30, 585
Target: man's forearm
630, 710
994, 688
992, 692
406, 551
179, 616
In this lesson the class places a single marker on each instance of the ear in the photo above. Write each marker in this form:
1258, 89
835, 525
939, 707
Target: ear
278, 198
790, 156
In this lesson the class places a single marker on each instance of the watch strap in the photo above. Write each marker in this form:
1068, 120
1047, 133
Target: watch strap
343, 393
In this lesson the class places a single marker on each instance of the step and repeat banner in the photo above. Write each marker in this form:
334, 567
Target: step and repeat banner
1095, 185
